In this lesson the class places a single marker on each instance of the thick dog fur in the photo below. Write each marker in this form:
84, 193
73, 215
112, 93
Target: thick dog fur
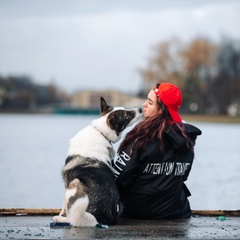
91, 196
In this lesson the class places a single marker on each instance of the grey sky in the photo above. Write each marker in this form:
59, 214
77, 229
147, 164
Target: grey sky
100, 44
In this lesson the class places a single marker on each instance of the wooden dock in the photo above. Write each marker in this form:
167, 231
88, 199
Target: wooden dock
35, 224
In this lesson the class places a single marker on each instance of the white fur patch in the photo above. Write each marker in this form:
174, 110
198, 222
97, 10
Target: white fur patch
78, 216
94, 141
90, 143
70, 193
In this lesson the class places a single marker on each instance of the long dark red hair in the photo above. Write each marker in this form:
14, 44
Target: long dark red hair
151, 128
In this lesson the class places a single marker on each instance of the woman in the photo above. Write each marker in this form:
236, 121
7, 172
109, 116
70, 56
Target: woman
155, 159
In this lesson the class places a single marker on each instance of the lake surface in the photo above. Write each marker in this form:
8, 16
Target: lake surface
33, 149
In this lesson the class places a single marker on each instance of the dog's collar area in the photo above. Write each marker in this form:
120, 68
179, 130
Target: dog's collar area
102, 134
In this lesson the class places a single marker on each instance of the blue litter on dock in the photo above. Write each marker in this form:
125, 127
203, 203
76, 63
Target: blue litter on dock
60, 224
101, 226
222, 218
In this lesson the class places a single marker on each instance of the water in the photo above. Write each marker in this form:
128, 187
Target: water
33, 150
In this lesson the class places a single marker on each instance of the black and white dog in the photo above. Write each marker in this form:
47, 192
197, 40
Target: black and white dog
91, 196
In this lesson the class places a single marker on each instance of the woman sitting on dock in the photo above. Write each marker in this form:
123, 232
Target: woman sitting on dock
155, 158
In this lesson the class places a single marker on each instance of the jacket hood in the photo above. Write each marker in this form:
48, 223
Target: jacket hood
178, 140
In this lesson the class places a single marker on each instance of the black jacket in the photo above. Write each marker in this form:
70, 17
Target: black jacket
151, 183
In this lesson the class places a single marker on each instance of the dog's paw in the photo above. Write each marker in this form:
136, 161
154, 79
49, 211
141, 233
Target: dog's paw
56, 218
59, 219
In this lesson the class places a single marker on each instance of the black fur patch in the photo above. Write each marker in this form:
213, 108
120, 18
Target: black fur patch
119, 120
69, 158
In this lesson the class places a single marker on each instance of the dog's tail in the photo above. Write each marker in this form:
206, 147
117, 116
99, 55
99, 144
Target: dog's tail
77, 213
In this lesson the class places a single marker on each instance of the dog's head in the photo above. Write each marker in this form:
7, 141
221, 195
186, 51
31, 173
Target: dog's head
114, 120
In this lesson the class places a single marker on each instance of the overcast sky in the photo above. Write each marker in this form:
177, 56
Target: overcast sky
100, 44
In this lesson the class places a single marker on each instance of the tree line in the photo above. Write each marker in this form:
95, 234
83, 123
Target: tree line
208, 73
21, 93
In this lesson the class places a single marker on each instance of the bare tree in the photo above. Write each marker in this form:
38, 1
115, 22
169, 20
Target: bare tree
227, 80
163, 65
199, 59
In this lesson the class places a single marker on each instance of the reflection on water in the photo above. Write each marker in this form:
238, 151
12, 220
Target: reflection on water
33, 150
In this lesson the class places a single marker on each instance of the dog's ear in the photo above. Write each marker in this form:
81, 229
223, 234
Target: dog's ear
103, 105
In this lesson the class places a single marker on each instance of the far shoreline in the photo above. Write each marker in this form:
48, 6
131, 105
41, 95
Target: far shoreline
186, 117
211, 118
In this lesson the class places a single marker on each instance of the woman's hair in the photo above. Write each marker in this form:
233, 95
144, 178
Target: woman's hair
151, 128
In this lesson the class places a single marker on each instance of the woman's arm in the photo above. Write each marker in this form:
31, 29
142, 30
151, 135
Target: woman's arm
125, 167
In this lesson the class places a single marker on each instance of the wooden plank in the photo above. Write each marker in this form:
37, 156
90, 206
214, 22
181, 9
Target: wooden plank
56, 211
29, 211
216, 212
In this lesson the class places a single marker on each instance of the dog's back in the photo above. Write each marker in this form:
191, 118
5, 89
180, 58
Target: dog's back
97, 179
